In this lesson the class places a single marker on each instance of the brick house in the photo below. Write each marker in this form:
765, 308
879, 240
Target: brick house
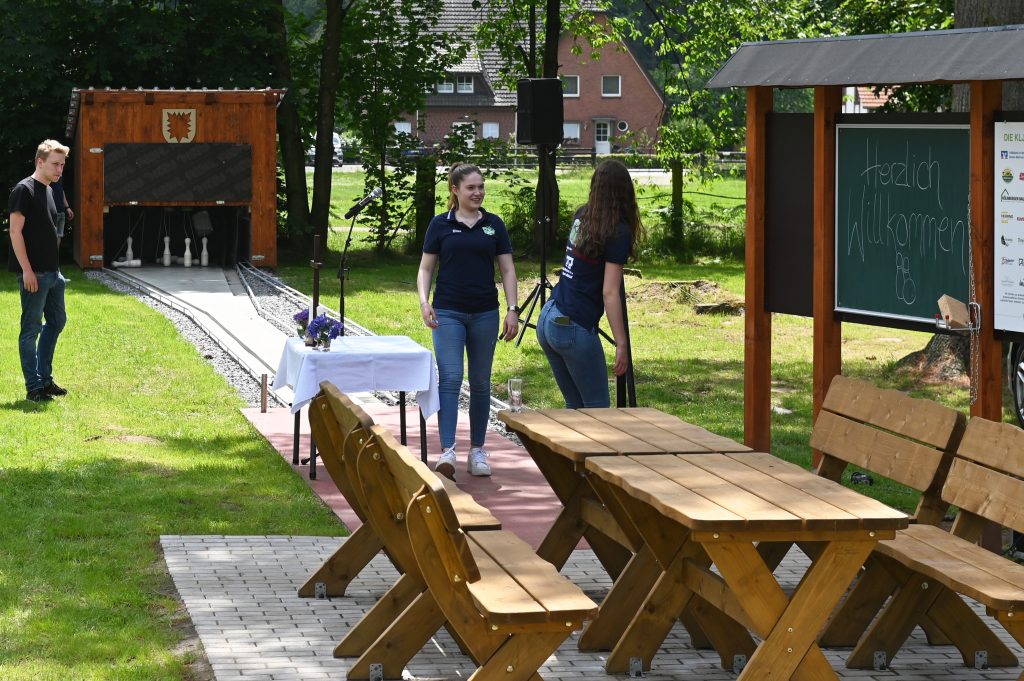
609, 103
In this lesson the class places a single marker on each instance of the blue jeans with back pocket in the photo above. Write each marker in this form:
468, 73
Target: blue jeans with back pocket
576, 357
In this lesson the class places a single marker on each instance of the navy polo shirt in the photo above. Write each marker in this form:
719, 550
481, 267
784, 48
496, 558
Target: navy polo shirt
579, 293
466, 253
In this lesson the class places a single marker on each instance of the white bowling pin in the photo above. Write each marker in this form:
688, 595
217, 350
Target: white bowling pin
204, 257
167, 251
129, 255
188, 253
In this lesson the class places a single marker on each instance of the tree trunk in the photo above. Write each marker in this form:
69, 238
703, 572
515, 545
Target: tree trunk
296, 202
326, 102
677, 237
975, 13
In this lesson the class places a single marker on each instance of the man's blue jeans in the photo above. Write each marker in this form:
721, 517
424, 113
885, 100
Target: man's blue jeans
37, 340
576, 358
473, 336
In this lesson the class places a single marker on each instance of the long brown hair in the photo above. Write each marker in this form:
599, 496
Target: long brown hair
612, 200
456, 175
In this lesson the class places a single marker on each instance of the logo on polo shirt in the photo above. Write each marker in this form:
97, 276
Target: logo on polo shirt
489, 231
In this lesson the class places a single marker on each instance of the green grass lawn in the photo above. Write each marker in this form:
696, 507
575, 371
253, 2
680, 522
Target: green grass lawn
149, 441
573, 185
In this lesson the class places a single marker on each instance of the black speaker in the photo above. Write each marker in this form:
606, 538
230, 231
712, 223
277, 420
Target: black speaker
539, 111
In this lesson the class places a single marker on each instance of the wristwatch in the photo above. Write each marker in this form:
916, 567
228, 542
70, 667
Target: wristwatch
513, 308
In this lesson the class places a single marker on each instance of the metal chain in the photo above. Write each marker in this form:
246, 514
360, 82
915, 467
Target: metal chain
973, 324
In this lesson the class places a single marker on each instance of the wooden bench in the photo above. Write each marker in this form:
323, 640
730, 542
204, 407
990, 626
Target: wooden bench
507, 609
886, 433
930, 569
340, 429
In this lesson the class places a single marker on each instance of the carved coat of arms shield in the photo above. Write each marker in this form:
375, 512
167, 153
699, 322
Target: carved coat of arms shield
178, 125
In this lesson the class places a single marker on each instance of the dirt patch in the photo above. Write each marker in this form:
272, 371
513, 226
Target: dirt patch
131, 439
701, 294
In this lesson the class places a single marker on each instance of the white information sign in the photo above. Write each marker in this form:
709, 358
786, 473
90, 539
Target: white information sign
1009, 227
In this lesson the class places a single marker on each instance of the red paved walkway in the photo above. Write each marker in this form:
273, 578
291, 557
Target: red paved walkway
516, 492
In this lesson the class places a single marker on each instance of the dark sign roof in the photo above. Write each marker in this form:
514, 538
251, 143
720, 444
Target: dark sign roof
959, 55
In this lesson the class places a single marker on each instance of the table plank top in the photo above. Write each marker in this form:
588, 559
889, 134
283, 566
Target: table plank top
581, 433
743, 492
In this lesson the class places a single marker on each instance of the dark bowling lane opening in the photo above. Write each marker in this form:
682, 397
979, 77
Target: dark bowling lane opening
226, 229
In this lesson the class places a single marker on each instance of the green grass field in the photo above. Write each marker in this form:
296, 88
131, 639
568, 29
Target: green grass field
149, 441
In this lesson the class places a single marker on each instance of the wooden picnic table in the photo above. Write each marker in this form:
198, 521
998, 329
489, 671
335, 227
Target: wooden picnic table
695, 511
561, 440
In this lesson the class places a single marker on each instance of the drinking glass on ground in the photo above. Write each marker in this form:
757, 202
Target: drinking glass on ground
515, 394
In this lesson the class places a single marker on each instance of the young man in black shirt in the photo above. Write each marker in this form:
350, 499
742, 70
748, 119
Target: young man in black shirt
34, 259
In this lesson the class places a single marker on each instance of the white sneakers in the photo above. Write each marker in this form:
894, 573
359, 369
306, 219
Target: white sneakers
446, 463
478, 465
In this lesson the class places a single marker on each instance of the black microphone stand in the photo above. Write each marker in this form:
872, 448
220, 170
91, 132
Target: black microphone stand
343, 274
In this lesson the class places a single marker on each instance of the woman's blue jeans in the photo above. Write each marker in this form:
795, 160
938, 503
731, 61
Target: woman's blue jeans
471, 336
576, 358
37, 340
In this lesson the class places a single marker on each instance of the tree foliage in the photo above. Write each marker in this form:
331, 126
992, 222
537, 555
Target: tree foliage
395, 52
49, 47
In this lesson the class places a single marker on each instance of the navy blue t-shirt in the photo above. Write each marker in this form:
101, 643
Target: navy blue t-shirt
34, 200
465, 277
579, 292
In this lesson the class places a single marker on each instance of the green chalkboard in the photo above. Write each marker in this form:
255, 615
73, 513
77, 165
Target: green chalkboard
902, 236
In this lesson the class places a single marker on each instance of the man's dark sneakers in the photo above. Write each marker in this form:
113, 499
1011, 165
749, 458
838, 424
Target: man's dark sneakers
39, 395
54, 390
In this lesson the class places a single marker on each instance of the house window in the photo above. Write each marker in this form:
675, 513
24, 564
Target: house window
490, 131
601, 131
571, 131
570, 86
465, 84
468, 128
622, 126
403, 126
611, 86
445, 87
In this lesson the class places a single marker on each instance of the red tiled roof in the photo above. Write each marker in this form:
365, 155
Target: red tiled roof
869, 100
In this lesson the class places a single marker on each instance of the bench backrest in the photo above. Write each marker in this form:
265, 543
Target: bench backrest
412, 480
985, 481
340, 429
908, 440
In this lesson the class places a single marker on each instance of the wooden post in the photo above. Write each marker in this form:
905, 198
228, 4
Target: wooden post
757, 342
986, 99
827, 330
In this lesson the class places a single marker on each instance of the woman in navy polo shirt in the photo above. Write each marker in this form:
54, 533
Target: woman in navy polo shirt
603, 236
462, 245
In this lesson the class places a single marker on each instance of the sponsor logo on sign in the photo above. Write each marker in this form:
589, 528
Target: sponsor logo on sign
1007, 196
1007, 175
1007, 281
178, 125
1003, 153
1007, 261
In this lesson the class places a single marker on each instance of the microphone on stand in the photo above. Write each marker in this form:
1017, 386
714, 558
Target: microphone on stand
363, 202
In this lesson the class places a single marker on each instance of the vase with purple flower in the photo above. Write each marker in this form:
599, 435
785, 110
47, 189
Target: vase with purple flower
323, 330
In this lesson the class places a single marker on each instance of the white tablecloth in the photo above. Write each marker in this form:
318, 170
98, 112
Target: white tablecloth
360, 364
